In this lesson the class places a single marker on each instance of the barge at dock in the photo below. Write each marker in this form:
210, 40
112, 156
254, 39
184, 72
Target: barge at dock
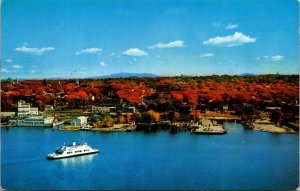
210, 132
207, 127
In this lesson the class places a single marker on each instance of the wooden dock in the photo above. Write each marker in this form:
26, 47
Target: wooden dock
57, 123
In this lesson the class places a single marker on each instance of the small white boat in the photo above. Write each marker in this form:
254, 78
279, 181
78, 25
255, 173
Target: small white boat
86, 127
72, 150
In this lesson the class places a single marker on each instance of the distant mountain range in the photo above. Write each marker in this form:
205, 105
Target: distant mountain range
126, 75
116, 75
248, 74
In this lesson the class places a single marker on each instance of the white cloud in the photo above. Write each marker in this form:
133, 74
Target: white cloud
33, 71
232, 26
173, 44
257, 58
16, 66
35, 51
3, 70
8, 61
89, 51
207, 55
103, 64
277, 58
273, 58
236, 39
134, 52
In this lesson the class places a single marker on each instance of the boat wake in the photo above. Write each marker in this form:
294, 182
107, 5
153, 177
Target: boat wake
23, 160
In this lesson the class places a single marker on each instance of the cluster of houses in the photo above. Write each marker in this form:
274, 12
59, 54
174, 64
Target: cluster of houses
27, 115
115, 108
25, 109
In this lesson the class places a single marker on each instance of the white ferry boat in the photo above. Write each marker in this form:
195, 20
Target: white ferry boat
72, 150
36, 121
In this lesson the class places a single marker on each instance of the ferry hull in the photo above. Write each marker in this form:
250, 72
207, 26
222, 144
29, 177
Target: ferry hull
69, 156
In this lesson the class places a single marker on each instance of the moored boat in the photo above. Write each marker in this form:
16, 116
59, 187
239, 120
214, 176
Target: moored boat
210, 132
86, 127
36, 121
208, 127
72, 150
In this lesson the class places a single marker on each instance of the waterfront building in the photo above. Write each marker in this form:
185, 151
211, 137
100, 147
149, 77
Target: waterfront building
79, 121
111, 102
126, 109
49, 107
7, 114
113, 110
25, 109
103, 109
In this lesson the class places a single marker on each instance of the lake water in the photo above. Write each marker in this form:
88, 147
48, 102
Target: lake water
239, 160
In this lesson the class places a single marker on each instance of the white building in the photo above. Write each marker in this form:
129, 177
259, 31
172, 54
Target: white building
25, 109
129, 109
7, 114
103, 109
79, 121
49, 107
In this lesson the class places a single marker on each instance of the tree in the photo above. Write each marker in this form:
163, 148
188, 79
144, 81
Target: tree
155, 115
6, 103
121, 119
128, 117
147, 118
108, 121
26, 91
39, 90
9, 87
195, 114
277, 117
173, 116
70, 87
176, 95
78, 95
150, 116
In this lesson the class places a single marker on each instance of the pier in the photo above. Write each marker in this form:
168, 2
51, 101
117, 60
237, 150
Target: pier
57, 123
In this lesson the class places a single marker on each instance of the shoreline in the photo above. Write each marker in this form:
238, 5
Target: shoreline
256, 126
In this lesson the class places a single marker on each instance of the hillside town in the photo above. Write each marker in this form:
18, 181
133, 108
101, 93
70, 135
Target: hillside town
196, 104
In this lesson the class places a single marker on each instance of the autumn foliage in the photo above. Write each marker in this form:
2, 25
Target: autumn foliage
167, 90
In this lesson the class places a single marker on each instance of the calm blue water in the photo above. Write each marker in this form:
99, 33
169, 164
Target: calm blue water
242, 159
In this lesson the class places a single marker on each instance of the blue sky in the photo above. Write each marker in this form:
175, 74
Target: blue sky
82, 38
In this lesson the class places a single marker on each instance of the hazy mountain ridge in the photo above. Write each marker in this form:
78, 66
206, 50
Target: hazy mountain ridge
126, 75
